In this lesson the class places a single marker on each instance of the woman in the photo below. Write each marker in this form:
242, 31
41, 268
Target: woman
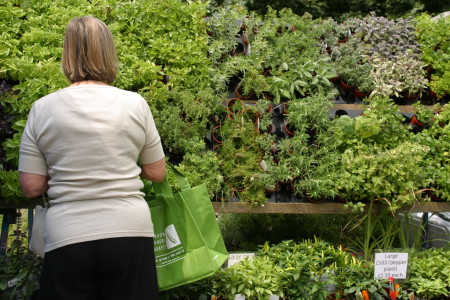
80, 145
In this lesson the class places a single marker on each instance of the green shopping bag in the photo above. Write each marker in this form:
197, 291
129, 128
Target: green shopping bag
188, 242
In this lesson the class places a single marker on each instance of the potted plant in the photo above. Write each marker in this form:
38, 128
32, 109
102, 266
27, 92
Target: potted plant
392, 50
428, 271
435, 136
20, 270
199, 168
424, 115
311, 267
395, 78
319, 183
375, 149
265, 114
354, 73
358, 279
255, 279
240, 155
433, 39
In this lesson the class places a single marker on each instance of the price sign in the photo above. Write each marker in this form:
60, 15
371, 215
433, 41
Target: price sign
388, 264
234, 258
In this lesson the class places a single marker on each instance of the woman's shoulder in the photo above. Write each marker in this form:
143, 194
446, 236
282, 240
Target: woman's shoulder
89, 91
47, 98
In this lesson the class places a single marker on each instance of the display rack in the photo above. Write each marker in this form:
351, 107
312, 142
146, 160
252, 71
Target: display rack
321, 208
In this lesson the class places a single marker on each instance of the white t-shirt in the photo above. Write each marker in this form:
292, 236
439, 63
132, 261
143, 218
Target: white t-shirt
87, 138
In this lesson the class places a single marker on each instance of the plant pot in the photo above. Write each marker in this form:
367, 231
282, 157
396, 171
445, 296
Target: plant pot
410, 97
315, 201
432, 94
239, 189
219, 118
267, 73
217, 147
416, 122
287, 185
268, 96
269, 188
432, 195
345, 87
289, 130
239, 95
358, 94
343, 40
227, 195
215, 134
281, 109
340, 199
269, 130
335, 79
235, 107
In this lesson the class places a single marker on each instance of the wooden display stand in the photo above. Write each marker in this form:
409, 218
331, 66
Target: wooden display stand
311, 208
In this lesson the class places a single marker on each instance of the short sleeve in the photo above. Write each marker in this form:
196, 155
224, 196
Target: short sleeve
152, 150
31, 159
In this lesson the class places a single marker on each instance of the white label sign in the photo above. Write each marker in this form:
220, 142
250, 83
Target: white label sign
12, 282
392, 265
234, 258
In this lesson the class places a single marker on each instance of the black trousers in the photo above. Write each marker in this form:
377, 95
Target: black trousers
108, 269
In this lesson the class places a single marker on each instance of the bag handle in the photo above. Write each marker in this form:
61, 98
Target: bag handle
163, 192
182, 180
163, 189
44, 200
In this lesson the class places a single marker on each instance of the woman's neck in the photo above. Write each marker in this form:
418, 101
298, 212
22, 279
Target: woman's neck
88, 82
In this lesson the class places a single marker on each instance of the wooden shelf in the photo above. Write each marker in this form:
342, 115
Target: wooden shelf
273, 208
311, 208
401, 108
25, 203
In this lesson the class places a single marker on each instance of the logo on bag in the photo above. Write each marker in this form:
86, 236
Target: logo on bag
172, 239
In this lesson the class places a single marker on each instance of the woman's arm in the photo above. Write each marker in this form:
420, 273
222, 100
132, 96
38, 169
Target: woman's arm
155, 171
33, 185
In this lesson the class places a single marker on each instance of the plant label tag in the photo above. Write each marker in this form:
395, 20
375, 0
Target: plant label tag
12, 282
234, 258
390, 264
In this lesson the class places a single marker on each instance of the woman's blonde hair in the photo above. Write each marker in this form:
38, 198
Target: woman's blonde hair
89, 52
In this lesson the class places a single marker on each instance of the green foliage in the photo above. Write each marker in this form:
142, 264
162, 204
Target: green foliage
381, 231
255, 279
182, 120
343, 9
19, 271
190, 291
378, 159
429, 270
200, 168
161, 46
358, 276
379, 125
186, 66
244, 232
435, 47
391, 49
309, 266
312, 269
10, 189
309, 78
392, 174
436, 137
